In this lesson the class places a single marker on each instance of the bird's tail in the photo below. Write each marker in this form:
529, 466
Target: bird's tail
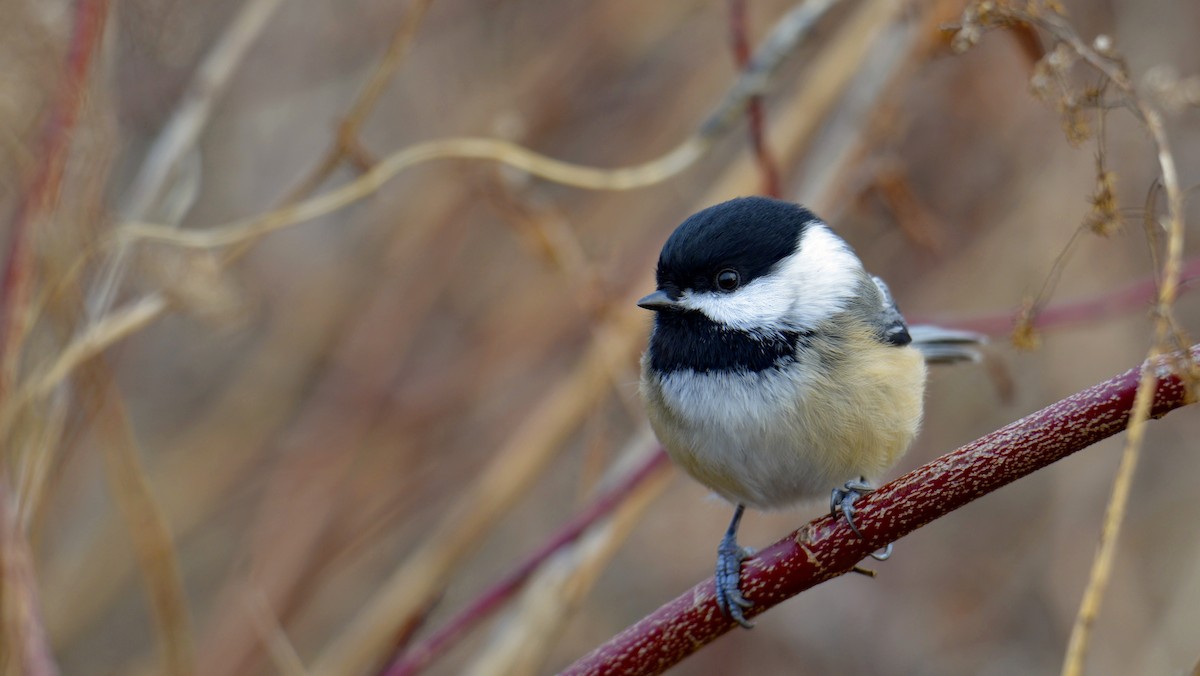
947, 346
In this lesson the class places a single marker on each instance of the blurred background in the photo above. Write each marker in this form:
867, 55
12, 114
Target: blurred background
291, 439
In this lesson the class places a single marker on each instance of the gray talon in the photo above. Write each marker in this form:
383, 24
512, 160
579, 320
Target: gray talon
842, 501
887, 553
728, 579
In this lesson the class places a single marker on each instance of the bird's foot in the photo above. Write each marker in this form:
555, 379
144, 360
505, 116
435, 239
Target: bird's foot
729, 580
842, 501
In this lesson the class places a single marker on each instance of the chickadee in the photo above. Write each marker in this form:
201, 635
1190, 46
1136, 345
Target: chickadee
778, 367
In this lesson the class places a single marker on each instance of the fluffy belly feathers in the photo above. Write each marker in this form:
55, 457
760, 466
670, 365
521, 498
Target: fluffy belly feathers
776, 437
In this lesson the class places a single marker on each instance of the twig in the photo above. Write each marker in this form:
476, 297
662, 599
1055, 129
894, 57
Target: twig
103, 581
95, 340
345, 143
283, 654
754, 108
24, 646
1165, 330
183, 129
414, 660
781, 41
1139, 295
827, 548
161, 168
146, 523
521, 643
41, 195
450, 148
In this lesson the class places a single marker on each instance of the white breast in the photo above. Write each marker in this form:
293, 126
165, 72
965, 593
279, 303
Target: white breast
780, 436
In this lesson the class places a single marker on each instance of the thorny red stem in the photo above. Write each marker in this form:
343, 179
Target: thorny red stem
421, 655
754, 107
826, 548
46, 183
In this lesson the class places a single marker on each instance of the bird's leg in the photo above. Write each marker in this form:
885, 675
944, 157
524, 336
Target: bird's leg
842, 500
729, 573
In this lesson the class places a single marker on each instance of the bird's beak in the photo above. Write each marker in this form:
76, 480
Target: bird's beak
659, 301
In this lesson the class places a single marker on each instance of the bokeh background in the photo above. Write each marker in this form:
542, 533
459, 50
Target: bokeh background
318, 408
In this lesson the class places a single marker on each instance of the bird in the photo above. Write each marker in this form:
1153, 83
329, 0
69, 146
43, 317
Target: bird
778, 367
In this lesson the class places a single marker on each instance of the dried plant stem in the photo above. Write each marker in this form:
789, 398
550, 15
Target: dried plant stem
186, 500
828, 75
1110, 533
181, 132
1138, 295
755, 116
791, 29
788, 32
496, 150
144, 518
1093, 596
522, 642
160, 170
283, 654
826, 548
346, 140
41, 195
1165, 334
24, 646
414, 660
98, 337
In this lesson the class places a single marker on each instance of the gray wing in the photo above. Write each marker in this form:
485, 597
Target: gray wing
937, 344
892, 329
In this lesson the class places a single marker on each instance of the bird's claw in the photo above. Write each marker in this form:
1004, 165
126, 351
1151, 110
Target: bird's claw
842, 501
728, 581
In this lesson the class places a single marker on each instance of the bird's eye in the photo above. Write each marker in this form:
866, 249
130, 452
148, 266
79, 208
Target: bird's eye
728, 279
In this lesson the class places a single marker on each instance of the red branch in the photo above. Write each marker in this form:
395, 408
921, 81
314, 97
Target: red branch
1141, 294
46, 183
826, 548
421, 655
754, 107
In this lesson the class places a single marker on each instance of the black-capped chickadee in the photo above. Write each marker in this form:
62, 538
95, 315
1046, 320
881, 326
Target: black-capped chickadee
778, 367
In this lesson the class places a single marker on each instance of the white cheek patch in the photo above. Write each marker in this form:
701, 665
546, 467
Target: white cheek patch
804, 289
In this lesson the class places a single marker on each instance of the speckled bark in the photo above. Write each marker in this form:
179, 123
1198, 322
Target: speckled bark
826, 548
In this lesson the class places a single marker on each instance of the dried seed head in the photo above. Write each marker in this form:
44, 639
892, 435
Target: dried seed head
1105, 218
1024, 335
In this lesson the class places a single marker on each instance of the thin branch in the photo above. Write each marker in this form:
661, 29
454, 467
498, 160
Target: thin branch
161, 169
1115, 71
827, 548
522, 642
283, 654
346, 143
788, 32
755, 116
41, 195
144, 518
95, 340
495, 150
414, 660
1139, 295
24, 647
